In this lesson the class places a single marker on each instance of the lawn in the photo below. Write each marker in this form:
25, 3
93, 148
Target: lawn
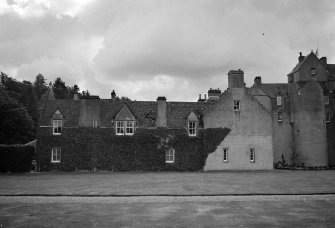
169, 183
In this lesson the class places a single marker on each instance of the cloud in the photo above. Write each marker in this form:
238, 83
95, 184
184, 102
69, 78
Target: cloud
147, 48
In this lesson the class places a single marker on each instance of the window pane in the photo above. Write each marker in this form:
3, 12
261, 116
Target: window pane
279, 100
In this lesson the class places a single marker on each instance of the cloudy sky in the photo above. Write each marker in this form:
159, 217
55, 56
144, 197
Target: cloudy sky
148, 48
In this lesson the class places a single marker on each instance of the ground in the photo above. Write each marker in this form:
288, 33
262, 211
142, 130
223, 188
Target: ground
201, 199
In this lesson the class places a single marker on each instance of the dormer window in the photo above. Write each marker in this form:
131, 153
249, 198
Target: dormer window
313, 72
279, 100
192, 128
57, 127
125, 127
95, 124
130, 127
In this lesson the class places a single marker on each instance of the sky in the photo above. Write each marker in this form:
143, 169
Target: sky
143, 49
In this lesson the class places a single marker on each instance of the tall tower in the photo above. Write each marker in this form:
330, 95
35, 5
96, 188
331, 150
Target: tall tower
307, 112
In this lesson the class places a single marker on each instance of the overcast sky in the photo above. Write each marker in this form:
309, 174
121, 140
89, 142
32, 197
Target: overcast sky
148, 48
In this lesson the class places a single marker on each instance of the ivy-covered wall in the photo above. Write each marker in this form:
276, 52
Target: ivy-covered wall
101, 149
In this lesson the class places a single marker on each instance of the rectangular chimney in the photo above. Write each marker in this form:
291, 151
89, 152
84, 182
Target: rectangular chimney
161, 120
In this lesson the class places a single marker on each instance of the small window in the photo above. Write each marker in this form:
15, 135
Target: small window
252, 155
129, 127
313, 72
95, 124
327, 117
280, 117
192, 131
279, 100
57, 127
169, 156
55, 154
236, 105
326, 100
225, 155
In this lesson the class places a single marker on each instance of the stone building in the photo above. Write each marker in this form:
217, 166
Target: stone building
240, 129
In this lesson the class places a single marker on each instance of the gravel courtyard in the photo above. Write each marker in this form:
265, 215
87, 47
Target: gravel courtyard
276, 198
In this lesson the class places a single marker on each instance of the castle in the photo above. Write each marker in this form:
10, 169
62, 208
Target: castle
266, 124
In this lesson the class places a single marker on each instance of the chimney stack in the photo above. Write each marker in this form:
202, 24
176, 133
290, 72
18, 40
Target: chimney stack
75, 97
236, 79
323, 61
113, 95
161, 120
301, 57
258, 81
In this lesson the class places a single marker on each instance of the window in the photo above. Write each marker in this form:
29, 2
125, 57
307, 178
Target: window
280, 117
55, 155
192, 128
279, 100
327, 117
95, 124
236, 105
313, 71
129, 127
125, 127
57, 127
225, 155
252, 155
169, 156
326, 99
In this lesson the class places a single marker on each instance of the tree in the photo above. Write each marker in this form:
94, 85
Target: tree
61, 91
40, 86
17, 127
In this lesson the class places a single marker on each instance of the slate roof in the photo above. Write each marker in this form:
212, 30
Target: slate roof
298, 66
271, 89
177, 112
69, 109
144, 111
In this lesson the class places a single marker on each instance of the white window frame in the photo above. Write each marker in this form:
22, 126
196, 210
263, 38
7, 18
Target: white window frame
192, 128
326, 100
225, 155
252, 155
280, 117
125, 127
119, 127
57, 126
279, 100
95, 124
170, 156
129, 127
56, 154
237, 105
328, 118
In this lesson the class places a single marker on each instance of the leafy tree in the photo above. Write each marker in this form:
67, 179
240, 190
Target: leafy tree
17, 126
61, 91
40, 86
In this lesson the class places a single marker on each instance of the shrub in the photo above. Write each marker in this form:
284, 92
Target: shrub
16, 158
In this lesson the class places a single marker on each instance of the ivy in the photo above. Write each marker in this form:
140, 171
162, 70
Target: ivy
101, 149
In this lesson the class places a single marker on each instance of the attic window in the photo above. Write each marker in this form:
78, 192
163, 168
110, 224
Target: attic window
57, 127
192, 129
279, 100
236, 105
313, 72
